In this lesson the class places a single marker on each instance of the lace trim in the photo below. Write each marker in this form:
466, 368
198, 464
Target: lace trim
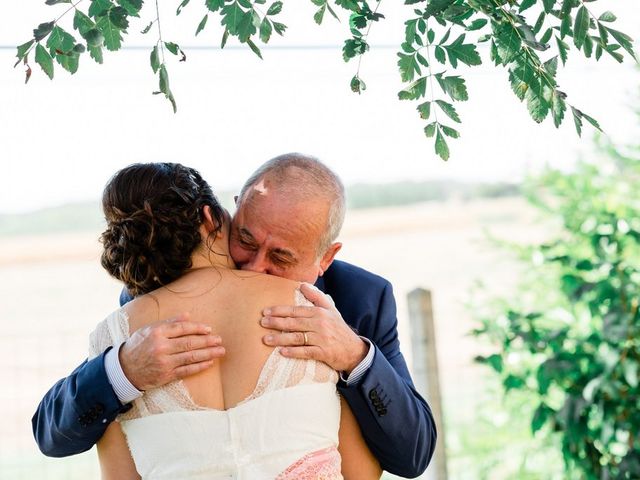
319, 465
277, 373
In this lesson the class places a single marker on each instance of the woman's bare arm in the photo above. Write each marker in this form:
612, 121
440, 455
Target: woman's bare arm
358, 463
115, 459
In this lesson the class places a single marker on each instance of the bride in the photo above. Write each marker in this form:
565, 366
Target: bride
254, 414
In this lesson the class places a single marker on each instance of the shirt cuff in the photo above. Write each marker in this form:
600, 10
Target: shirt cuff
123, 388
358, 372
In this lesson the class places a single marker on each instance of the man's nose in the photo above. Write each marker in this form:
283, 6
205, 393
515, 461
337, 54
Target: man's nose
258, 264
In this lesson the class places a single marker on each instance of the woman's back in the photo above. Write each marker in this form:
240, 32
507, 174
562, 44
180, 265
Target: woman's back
255, 413
231, 303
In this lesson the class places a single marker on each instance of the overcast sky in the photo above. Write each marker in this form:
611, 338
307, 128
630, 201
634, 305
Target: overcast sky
62, 140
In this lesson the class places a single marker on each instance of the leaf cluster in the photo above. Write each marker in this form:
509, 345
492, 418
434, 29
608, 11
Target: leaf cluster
529, 38
575, 346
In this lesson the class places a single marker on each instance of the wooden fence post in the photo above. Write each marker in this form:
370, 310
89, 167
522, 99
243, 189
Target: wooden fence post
425, 371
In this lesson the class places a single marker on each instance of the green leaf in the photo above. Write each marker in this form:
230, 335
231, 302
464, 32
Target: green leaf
454, 86
319, 15
536, 104
172, 47
577, 120
478, 24
183, 4
466, 53
275, 8
416, 90
94, 38
623, 39
587, 46
509, 42
449, 110
440, 55
99, 7
546, 36
55, 2
225, 37
214, 5
353, 47
238, 22
539, 23
133, 7
280, 27
408, 67
202, 24
591, 120
430, 130
82, 23
425, 110
118, 17
60, 40
563, 48
435, 7
526, 4
154, 59
112, 34
265, 30
558, 107
95, 51
44, 60
540, 417
164, 80
23, 49
254, 48
580, 27
42, 31
607, 17
450, 132
548, 5
442, 149
565, 26
69, 62
357, 85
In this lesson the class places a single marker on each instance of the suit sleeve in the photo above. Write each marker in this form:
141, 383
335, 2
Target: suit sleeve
76, 411
395, 420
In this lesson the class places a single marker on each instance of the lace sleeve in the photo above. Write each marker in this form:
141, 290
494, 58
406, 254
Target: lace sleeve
113, 330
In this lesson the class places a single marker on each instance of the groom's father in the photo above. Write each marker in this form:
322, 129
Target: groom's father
289, 214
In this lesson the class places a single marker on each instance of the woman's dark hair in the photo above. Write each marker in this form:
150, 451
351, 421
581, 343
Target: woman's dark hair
153, 213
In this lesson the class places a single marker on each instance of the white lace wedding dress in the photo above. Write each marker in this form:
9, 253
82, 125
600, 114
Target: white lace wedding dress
286, 429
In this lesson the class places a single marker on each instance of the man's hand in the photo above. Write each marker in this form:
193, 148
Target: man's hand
168, 350
317, 332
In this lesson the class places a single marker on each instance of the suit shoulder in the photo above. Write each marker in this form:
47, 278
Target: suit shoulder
346, 273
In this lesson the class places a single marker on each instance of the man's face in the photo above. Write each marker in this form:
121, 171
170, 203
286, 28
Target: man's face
272, 234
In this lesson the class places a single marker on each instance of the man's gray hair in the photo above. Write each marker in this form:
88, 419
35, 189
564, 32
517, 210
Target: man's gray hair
312, 179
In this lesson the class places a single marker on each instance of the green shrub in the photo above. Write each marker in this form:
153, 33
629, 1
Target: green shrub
570, 337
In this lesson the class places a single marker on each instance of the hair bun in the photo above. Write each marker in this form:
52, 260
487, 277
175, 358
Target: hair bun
153, 214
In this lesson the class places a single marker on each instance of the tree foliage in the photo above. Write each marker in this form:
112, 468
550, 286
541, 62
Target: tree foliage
529, 38
571, 336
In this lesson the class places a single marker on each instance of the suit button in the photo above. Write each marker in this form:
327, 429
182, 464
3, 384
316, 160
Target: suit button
99, 408
382, 412
373, 394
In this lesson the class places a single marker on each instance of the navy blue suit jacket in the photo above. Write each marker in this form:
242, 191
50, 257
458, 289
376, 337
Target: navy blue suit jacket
396, 422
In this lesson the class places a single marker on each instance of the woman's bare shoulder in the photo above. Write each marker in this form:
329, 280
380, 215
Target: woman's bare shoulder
142, 311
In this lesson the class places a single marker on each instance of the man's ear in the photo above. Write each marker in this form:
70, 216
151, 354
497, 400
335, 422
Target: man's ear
329, 255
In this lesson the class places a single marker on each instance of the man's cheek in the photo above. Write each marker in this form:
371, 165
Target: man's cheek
239, 255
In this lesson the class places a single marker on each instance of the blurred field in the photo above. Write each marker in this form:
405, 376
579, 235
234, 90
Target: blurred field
54, 291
